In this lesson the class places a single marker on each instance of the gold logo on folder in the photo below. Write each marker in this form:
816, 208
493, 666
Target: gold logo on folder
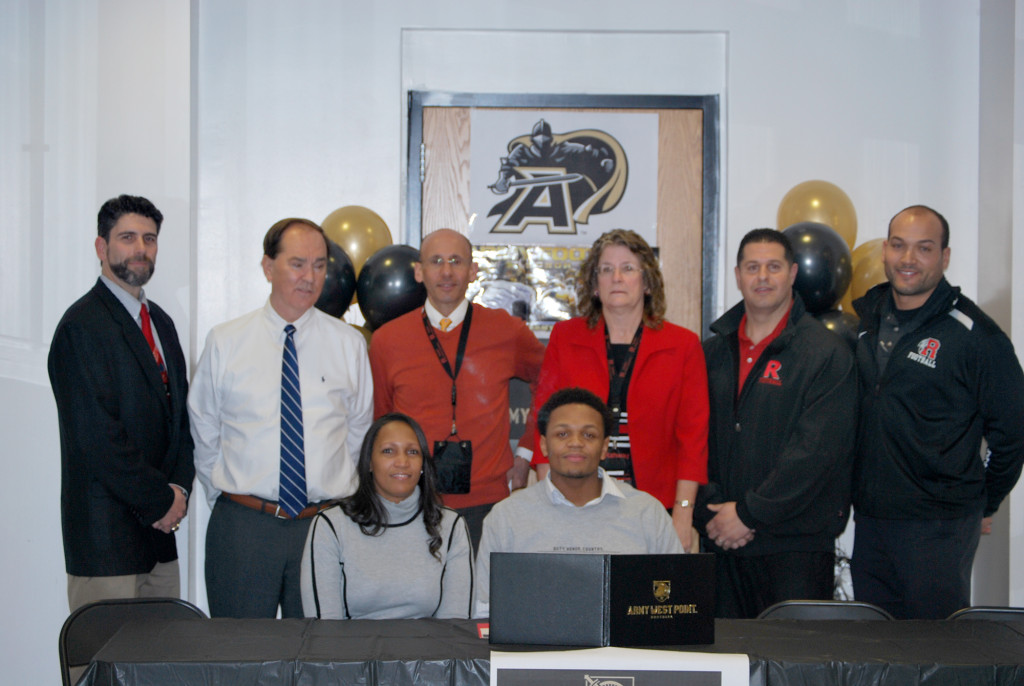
662, 590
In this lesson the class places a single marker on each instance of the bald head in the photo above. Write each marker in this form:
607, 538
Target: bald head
922, 214
446, 268
447, 236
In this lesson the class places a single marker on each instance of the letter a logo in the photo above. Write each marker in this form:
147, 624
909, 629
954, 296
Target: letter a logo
928, 347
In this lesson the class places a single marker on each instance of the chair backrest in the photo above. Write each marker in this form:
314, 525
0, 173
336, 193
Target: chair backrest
89, 627
990, 613
824, 609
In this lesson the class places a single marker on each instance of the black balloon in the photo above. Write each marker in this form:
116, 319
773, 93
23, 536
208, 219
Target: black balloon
843, 324
825, 265
340, 284
387, 286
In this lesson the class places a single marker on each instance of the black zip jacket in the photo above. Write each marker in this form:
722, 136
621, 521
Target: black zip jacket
952, 378
783, 450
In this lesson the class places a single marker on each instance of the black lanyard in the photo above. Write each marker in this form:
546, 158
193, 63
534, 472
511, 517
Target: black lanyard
463, 337
617, 382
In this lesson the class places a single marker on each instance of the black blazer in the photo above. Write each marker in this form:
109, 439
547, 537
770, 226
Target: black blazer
122, 439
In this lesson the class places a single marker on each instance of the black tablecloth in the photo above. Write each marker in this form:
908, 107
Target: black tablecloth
425, 651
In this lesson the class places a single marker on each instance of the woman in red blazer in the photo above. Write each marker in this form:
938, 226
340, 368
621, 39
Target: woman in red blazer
651, 372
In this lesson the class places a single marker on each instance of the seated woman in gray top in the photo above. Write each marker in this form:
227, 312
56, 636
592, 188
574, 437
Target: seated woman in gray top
390, 550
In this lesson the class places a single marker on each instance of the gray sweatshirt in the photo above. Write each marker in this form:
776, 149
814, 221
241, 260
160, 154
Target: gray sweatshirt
539, 519
349, 575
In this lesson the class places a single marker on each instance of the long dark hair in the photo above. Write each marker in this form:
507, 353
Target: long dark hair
364, 506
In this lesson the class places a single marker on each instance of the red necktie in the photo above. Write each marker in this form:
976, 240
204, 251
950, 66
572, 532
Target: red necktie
147, 331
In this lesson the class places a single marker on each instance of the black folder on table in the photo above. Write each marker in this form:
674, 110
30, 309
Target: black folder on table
570, 599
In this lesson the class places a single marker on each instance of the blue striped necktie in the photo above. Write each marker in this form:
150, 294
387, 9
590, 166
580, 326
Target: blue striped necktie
292, 493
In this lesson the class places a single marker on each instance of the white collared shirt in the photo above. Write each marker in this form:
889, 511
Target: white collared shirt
609, 487
456, 317
235, 404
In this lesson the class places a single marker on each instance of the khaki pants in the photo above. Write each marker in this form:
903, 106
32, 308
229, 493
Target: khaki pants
163, 581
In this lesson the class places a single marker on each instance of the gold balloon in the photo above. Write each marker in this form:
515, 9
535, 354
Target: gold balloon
359, 231
868, 271
822, 202
870, 249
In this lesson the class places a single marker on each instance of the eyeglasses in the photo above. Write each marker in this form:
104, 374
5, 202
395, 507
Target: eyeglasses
627, 269
438, 261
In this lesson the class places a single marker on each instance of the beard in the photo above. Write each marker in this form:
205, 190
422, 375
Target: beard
133, 278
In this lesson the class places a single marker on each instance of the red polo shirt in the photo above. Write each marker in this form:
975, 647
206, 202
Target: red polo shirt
749, 352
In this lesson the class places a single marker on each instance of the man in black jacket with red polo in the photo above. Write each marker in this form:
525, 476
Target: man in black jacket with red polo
937, 375
783, 396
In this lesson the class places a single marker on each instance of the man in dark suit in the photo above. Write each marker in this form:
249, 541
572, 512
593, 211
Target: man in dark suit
119, 379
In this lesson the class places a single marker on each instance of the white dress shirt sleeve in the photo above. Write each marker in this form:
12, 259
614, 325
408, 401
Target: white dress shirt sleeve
204, 416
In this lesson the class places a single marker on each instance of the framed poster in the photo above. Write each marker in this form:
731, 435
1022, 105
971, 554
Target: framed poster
619, 667
551, 172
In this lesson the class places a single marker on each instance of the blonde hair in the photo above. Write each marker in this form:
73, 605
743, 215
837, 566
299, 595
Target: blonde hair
587, 301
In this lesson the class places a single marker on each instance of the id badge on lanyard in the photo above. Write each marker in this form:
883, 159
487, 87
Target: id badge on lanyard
618, 463
453, 459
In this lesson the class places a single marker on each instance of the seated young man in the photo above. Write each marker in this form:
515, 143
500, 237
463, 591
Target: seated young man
578, 508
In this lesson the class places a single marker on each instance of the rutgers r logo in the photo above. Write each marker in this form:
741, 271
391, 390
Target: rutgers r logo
771, 373
927, 349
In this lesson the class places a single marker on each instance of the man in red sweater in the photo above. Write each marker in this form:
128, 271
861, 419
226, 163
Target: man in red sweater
414, 357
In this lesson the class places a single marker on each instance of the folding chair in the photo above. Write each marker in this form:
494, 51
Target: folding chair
824, 609
990, 613
89, 627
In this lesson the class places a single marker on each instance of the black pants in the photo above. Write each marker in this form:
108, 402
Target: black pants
749, 585
253, 562
915, 569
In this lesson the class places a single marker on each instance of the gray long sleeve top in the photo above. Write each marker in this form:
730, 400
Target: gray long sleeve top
349, 575
539, 519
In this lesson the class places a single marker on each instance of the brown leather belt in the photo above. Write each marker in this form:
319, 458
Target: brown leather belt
272, 508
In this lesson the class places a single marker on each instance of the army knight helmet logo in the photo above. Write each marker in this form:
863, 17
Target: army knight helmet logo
558, 179
662, 590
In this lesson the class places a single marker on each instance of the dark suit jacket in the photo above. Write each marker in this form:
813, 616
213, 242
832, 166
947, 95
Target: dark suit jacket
122, 439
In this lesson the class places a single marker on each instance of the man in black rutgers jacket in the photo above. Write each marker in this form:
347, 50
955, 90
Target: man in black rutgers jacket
936, 375
783, 416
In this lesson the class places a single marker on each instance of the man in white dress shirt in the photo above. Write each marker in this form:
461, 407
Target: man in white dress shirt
239, 414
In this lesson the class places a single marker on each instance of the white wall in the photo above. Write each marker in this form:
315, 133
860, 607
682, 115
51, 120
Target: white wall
991, 578
300, 109
1016, 509
103, 96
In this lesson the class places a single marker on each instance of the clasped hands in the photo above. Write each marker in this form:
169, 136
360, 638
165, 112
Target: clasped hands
179, 508
726, 528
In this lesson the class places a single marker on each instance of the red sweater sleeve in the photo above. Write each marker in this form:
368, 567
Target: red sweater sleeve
383, 393
547, 383
691, 424
530, 354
